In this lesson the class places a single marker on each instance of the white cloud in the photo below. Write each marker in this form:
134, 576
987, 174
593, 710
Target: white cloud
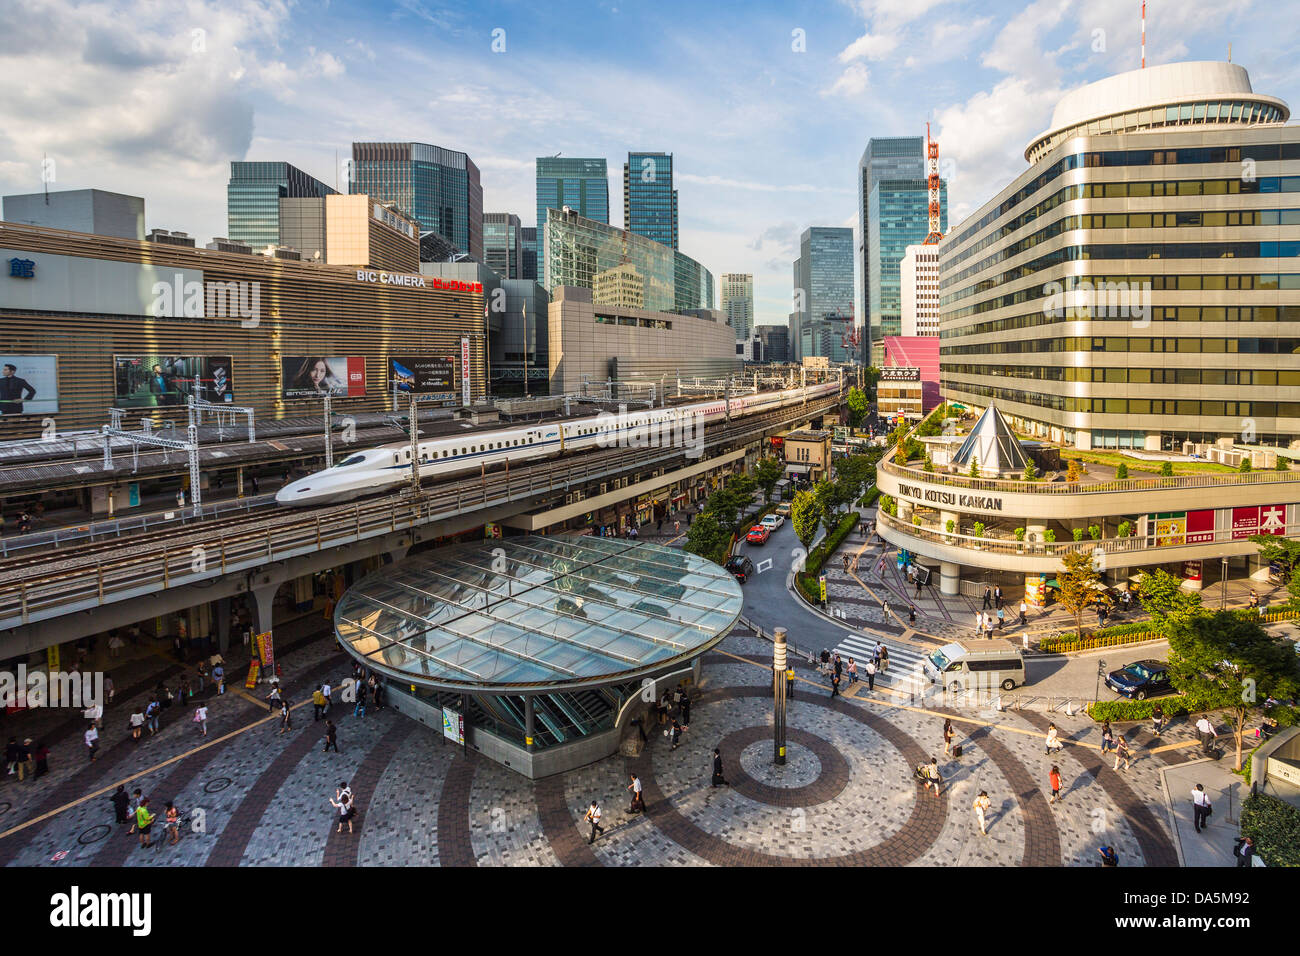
869, 47
852, 82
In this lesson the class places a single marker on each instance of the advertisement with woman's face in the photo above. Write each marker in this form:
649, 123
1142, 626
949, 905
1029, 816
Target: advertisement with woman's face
314, 376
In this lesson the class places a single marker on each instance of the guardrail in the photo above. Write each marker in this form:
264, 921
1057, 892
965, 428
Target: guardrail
46, 589
1083, 488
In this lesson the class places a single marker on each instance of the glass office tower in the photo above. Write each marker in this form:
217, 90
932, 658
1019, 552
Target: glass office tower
738, 302
824, 274
898, 216
253, 199
503, 249
528, 264
649, 200
580, 184
437, 187
890, 157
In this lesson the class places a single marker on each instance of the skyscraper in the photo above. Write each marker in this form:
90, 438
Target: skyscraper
438, 187
580, 184
253, 199
919, 285
503, 249
528, 242
892, 157
823, 281
737, 302
649, 200
898, 216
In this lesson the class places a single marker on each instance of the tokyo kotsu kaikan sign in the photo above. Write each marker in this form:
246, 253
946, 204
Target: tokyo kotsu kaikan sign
953, 499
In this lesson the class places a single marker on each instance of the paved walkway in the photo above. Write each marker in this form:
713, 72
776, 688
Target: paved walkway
846, 795
1213, 845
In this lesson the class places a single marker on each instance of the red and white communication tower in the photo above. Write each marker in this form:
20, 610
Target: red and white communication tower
932, 161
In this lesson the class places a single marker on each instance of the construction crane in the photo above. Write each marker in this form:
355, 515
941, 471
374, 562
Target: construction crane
932, 163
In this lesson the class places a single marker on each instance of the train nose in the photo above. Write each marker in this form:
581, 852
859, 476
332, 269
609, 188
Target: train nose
295, 492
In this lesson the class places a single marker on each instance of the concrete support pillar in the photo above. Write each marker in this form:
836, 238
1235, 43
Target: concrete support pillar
397, 554
1034, 531
264, 602
697, 671
904, 511
529, 715
949, 578
223, 625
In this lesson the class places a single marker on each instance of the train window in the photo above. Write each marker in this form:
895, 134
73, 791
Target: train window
350, 461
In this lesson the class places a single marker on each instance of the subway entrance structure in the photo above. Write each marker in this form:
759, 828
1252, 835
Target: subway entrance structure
537, 651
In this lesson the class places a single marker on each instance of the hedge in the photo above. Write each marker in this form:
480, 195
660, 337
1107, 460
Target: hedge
869, 499
1174, 705
807, 580
1275, 825
1061, 645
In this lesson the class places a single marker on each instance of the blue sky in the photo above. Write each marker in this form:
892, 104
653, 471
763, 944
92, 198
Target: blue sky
766, 106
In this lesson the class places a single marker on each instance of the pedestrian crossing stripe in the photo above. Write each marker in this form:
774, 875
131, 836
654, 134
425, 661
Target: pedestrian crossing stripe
904, 661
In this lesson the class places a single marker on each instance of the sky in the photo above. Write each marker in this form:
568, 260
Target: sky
766, 107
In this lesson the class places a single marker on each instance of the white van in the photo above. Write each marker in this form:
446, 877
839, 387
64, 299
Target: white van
980, 665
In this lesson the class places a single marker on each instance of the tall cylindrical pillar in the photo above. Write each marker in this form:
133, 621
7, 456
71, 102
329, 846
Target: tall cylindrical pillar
778, 695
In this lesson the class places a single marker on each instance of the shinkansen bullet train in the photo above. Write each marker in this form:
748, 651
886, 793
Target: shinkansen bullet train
388, 466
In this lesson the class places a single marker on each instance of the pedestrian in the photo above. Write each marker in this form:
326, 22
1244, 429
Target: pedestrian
172, 824
870, 668
42, 755
789, 682
331, 737
676, 732
677, 526
981, 806
202, 672
686, 709
853, 672
979, 623
638, 801
1108, 856
1206, 731
911, 616
1024, 611
219, 676
884, 658
92, 741
285, 724
918, 586
718, 779
593, 817
884, 610
876, 654
115, 644
325, 692
1244, 851
201, 718
1053, 740
377, 698
137, 798
1054, 778
253, 481
988, 597
839, 665
120, 802
948, 735
23, 758
359, 710
144, 821
273, 700
151, 713
932, 777
343, 803
846, 562
835, 686
1201, 808
1122, 752
317, 704
137, 723
997, 596
1157, 719
1107, 736
1002, 615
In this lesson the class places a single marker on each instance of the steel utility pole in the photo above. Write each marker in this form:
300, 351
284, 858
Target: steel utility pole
415, 447
329, 434
778, 696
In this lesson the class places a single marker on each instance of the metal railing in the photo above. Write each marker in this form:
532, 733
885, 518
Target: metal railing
1081, 488
63, 584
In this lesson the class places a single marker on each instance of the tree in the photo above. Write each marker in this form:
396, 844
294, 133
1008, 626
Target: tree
857, 403
1121, 471
805, 515
1166, 469
831, 496
1225, 661
856, 471
1245, 465
708, 538
974, 467
1031, 470
1286, 553
767, 473
1080, 586
1167, 601
1073, 470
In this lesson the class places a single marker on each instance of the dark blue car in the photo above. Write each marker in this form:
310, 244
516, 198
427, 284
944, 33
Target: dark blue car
1140, 680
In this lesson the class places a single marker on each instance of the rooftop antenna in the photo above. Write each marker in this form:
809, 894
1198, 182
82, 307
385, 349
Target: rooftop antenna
1144, 35
932, 182
1229, 51
45, 176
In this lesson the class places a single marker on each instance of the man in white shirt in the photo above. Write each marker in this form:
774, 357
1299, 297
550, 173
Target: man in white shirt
593, 816
1200, 808
1206, 731
638, 802
325, 691
92, 741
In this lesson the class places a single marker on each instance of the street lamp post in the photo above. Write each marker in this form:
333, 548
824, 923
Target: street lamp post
1101, 669
1223, 583
778, 695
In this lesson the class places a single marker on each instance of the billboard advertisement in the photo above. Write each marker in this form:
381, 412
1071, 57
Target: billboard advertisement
312, 376
150, 381
29, 384
422, 373
1269, 519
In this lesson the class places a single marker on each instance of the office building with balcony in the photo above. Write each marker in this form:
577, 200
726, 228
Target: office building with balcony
253, 199
438, 188
823, 283
1131, 300
649, 199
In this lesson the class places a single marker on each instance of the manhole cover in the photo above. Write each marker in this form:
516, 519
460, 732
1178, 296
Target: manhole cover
217, 785
95, 834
